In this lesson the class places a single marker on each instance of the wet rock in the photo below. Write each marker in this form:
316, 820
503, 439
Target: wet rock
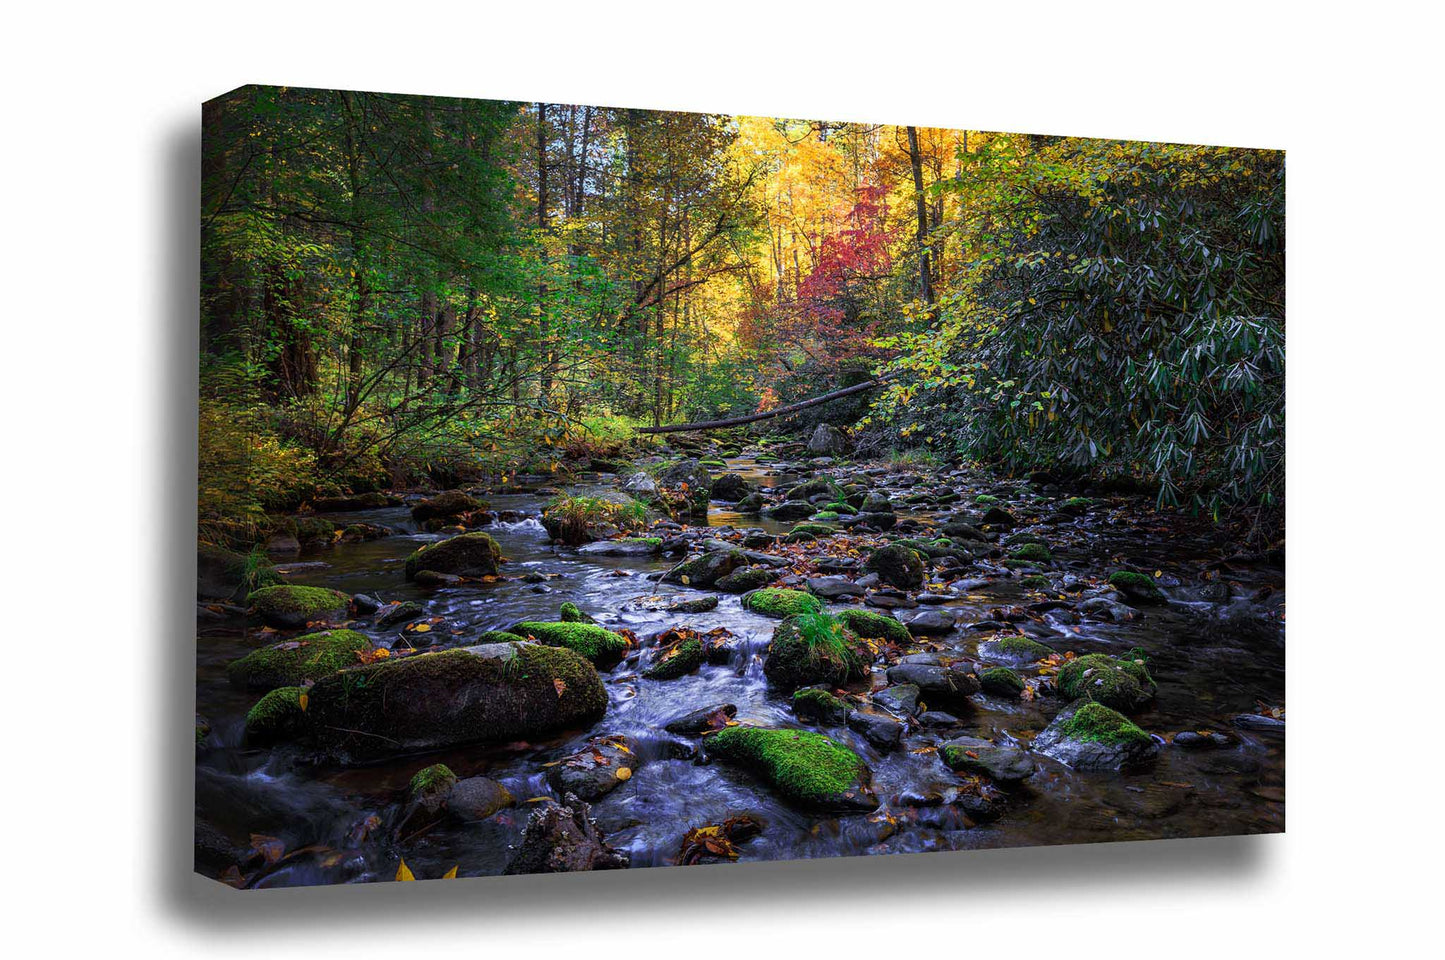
789, 510
298, 661
431, 578
400, 613
897, 565
365, 604
477, 798
1014, 649
1110, 611
962, 531
291, 607
707, 569
938, 718
283, 545
360, 501
930, 622
937, 679
598, 644
806, 768
746, 580
688, 483
1202, 740
1260, 722
276, 717
901, 698
1001, 682
228, 575
450, 505
834, 588
693, 605
679, 653
489, 693
998, 517
730, 487
816, 705
814, 649
600, 767
1089, 736
640, 486
1003, 763
629, 547
877, 727
564, 839
1124, 685
467, 555
1138, 588
714, 717
750, 504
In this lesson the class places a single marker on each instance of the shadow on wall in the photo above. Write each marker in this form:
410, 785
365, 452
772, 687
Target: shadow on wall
192, 900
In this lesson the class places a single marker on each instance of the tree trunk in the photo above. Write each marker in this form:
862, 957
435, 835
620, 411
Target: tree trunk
915, 159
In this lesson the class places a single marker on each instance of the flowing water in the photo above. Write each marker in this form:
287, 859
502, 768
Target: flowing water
1212, 662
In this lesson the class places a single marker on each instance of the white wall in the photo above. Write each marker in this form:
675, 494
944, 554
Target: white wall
101, 152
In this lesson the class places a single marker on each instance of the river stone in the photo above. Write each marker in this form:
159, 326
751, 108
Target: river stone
448, 505
834, 587
806, 768
1089, 736
400, 613
640, 485
953, 680
467, 555
489, 693
563, 839
789, 510
597, 769
290, 607
689, 481
693, 605
730, 487
477, 798
897, 565
752, 503
881, 729
297, 661
1004, 763
827, 439
228, 575
930, 622
631, 547
714, 717
707, 569
901, 698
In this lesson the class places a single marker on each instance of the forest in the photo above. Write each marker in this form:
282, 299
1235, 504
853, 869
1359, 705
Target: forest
400, 289
589, 488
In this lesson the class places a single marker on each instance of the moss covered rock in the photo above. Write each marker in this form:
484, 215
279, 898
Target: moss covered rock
1001, 682
467, 555
279, 715
814, 648
676, 659
290, 607
596, 643
490, 693
1124, 685
780, 603
447, 505
818, 486
875, 626
897, 565
430, 786
570, 613
1137, 588
1015, 649
1034, 552
806, 768
815, 705
746, 579
816, 529
689, 485
293, 662
1004, 762
1090, 736
707, 569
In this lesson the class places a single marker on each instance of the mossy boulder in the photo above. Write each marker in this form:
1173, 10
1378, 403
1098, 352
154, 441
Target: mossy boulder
818, 486
431, 786
780, 603
291, 607
467, 555
749, 578
815, 705
731, 487
752, 503
1001, 682
707, 569
815, 648
815, 529
294, 662
1124, 685
676, 659
448, 505
1089, 736
789, 510
1137, 588
1033, 552
1015, 648
279, 715
806, 768
689, 484
489, 693
897, 565
571, 613
875, 626
596, 643
1004, 762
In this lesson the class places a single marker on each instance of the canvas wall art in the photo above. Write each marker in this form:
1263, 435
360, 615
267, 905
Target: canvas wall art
589, 488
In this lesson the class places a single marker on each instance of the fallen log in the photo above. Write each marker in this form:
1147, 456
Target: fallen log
776, 412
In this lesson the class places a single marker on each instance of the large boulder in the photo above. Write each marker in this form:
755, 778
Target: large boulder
815, 648
468, 555
731, 488
1089, 736
640, 486
687, 486
1124, 685
290, 607
897, 566
876, 626
806, 768
564, 839
707, 569
827, 440
490, 693
449, 506
298, 661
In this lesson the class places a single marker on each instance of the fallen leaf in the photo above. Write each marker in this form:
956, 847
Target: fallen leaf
451, 874
623, 773
403, 872
560, 684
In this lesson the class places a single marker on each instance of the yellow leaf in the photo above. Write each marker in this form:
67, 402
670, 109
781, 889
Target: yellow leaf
623, 773
422, 627
303, 700
403, 872
451, 874
686, 579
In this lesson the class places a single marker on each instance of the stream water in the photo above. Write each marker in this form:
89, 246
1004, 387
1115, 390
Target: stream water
1211, 659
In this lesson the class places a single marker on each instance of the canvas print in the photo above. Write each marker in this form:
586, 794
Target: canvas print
589, 488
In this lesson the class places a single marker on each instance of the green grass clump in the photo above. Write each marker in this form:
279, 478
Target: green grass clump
278, 715
875, 626
296, 661
803, 766
814, 648
1096, 723
1036, 552
596, 643
571, 519
778, 602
